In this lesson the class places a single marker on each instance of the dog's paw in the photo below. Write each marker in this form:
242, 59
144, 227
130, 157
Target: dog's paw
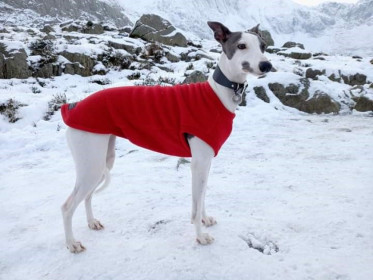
75, 247
95, 225
208, 221
205, 239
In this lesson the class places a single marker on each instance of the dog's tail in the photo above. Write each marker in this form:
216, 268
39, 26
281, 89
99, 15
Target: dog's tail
106, 181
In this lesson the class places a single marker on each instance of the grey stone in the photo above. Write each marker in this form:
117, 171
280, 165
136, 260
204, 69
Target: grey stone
314, 73
195, 77
296, 55
261, 93
293, 96
289, 45
47, 29
85, 61
356, 79
93, 28
153, 28
363, 104
267, 37
172, 57
320, 103
132, 49
13, 64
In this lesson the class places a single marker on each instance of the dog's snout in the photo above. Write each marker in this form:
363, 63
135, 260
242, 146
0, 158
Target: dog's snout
265, 66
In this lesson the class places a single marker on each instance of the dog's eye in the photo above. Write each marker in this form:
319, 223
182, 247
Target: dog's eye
241, 46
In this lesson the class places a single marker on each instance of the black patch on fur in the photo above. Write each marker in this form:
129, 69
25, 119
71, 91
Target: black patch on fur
262, 43
246, 66
230, 46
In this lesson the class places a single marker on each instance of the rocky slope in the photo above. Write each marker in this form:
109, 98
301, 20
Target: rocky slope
36, 12
33, 58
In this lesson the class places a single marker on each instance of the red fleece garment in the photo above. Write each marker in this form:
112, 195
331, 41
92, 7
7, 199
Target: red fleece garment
156, 118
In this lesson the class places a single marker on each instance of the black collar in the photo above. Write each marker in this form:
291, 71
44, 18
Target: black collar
221, 79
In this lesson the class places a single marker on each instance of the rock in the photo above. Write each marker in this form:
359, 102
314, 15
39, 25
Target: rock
371, 61
267, 37
219, 51
357, 57
334, 78
126, 29
353, 80
153, 28
363, 104
72, 68
49, 37
300, 55
320, 103
261, 93
195, 77
86, 63
131, 48
93, 28
47, 29
295, 53
48, 70
172, 57
314, 73
70, 27
273, 50
289, 45
292, 96
13, 63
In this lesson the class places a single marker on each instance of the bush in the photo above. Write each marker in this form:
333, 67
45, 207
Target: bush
9, 109
54, 105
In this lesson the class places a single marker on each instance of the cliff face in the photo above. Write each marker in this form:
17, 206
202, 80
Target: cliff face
57, 10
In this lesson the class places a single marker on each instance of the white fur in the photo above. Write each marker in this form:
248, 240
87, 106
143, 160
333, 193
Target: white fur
94, 154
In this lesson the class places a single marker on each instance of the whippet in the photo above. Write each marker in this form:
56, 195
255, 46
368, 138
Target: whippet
93, 148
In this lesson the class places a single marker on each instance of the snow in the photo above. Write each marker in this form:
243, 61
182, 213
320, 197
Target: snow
301, 182
297, 187
324, 28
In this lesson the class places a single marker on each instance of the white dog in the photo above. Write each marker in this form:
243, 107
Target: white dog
189, 120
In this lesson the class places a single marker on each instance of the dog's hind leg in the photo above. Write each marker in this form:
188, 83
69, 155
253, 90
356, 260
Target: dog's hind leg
89, 152
202, 155
110, 156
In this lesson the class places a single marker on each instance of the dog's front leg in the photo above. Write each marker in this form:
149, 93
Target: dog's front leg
202, 155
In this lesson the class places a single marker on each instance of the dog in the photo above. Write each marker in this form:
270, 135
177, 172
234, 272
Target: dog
95, 122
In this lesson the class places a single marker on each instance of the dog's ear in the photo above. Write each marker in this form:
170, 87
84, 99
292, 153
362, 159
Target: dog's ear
221, 33
255, 29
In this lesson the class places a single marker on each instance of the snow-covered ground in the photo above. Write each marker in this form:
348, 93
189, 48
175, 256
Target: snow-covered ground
303, 183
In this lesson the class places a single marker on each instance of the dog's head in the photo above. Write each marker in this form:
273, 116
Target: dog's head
244, 49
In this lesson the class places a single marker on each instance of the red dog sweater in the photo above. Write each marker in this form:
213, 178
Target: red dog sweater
156, 118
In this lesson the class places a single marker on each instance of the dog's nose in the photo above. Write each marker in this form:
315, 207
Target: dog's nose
265, 66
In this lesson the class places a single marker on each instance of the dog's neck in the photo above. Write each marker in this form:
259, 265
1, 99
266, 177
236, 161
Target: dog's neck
226, 94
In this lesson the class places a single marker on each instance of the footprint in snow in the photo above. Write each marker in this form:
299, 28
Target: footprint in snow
264, 246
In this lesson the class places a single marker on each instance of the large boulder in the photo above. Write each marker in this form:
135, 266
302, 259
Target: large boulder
314, 73
195, 77
13, 63
267, 37
298, 97
81, 64
153, 28
356, 79
261, 93
363, 104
